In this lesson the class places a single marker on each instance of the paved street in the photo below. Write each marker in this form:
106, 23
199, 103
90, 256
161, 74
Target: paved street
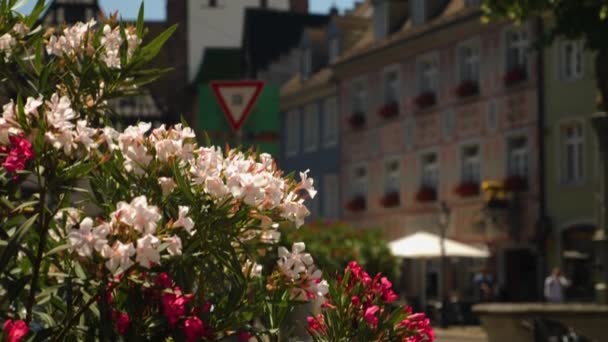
461, 334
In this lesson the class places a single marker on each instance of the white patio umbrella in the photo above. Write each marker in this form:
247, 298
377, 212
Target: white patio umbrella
424, 245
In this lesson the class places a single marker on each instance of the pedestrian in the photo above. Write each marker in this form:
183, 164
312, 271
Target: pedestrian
555, 285
484, 286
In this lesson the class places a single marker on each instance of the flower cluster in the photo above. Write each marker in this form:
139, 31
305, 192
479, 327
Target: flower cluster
17, 153
299, 269
132, 231
15, 331
73, 41
359, 306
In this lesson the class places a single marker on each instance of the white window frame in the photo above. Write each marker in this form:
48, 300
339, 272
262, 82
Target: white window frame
392, 177
470, 162
578, 148
469, 66
293, 132
429, 172
311, 127
334, 49
394, 86
360, 184
518, 159
331, 121
427, 73
331, 196
575, 63
521, 46
359, 96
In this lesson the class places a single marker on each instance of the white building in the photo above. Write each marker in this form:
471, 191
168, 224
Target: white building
219, 23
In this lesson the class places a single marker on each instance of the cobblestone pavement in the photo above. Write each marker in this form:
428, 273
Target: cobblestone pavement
461, 334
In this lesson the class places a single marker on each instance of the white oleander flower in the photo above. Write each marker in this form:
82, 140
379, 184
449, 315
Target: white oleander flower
119, 256
184, 221
174, 245
147, 251
87, 238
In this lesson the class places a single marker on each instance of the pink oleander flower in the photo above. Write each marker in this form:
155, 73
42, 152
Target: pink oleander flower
244, 336
164, 281
122, 321
419, 324
194, 329
316, 324
370, 315
174, 305
388, 295
15, 331
18, 154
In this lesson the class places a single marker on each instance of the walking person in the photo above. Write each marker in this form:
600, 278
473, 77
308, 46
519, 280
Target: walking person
555, 285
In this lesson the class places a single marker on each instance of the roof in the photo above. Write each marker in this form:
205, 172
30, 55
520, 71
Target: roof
219, 63
454, 10
267, 34
295, 84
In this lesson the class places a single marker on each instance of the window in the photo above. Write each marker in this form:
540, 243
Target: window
380, 19
471, 164
359, 185
410, 127
359, 98
293, 132
212, 3
334, 49
517, 162
492, 116
429, 171
427, 70
311, 127
331, 122
419, 11
331, 204
516, 47
306, 60
447, 124
60, 15
468, 62
88, 13
572, 152
391, 176
391, 87
571, 60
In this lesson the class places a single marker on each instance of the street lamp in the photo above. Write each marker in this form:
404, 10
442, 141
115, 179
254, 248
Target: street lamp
444, 221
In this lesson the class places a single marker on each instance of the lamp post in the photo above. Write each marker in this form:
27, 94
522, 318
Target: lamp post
599, 121
444, 221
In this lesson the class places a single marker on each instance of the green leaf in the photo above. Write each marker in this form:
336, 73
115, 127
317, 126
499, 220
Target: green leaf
36, 12
15, 242
56, 250
150, 51
140, 21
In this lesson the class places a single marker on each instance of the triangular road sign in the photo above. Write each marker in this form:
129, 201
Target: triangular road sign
237, 99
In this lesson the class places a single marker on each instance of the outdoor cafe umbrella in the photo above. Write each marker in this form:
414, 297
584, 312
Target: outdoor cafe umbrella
424, 245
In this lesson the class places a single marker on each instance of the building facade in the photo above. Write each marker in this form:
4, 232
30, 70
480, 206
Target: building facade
310, 113
572, 165
434, 103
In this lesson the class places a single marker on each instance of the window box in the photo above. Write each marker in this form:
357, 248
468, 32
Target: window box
425, 100
389, 110
390, 199
515, 183
514, 76
467, 88
467, 189
426, 194
357, 120
357, 204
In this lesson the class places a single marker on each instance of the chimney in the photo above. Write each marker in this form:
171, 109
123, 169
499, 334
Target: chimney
299, 6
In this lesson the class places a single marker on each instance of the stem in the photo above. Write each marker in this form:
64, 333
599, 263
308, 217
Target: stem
75, 318
43, 233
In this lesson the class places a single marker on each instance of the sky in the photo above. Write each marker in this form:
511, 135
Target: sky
155, 9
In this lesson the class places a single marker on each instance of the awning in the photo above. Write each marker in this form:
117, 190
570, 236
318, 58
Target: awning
426, 245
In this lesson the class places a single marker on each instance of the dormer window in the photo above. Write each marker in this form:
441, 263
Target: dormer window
419, 9
334, 49
306, 63
381, 19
